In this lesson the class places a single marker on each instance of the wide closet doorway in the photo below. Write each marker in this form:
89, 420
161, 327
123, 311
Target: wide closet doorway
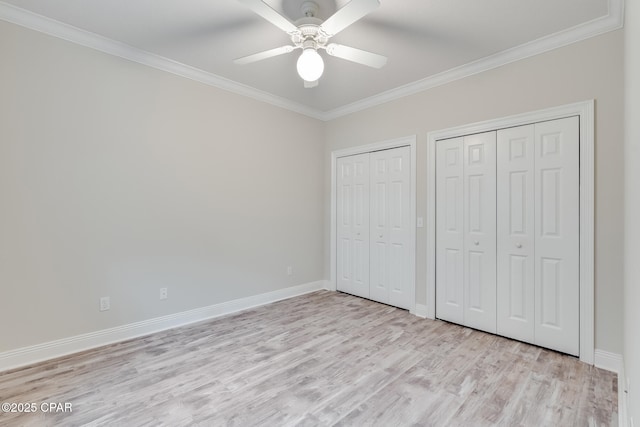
507, 232
374, 225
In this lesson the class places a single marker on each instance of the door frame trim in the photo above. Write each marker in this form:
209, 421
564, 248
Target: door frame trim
585, 110
411, 142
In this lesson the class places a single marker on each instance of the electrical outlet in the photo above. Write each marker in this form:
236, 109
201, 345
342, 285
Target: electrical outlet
163, 293
105, 303
289, 271
420, 222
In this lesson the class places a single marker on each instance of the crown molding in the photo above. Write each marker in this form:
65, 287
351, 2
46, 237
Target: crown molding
43, 24
612, 21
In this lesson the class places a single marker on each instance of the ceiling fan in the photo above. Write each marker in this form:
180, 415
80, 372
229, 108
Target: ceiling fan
310, 34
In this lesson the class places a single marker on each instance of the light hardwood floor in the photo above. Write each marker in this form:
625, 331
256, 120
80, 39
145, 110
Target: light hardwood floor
320, 359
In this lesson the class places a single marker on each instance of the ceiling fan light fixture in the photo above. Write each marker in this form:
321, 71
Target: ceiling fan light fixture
311, 33
310, 65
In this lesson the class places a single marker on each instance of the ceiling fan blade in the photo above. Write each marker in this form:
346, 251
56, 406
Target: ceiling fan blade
270, 14
264, 55
356, 55
349, 14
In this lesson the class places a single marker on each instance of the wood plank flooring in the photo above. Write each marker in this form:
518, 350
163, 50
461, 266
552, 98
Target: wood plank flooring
321, 359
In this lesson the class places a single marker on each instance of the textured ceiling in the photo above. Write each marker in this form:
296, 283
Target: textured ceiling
421, 38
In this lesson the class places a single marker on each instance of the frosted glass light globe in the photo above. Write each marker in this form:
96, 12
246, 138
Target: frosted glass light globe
310, 65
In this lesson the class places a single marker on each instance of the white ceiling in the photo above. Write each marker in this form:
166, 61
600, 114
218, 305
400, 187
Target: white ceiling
421, 38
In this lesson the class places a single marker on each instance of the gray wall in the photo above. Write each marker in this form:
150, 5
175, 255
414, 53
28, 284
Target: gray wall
632, 206
117, 179
591, 69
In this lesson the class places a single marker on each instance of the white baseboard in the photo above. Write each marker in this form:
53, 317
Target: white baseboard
40, 352
615, 363
607, 361
420, 311
623, 420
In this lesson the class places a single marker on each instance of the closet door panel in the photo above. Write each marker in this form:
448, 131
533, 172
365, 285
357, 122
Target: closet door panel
449, 230
399, 232
379, 225
390, 226
515, 233
353, 224
557, 247
479, 229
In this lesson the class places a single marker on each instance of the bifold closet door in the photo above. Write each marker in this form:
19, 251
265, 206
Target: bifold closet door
466, 231
516, 237
557, 237
352, 219
480, 231
538, 287
449, 230
390, 189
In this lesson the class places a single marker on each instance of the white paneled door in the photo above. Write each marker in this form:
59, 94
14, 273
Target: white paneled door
373, 217
507, 233
390, 253
479, 219
557, 239
466, 231
449, 230
516, 236
352, 219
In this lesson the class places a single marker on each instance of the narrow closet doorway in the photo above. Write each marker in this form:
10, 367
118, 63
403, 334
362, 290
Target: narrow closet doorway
374, 199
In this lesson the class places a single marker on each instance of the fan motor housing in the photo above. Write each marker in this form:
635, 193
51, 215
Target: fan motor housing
309, 29
309, 9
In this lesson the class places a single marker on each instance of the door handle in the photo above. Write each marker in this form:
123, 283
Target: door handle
518, 245
476, 243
